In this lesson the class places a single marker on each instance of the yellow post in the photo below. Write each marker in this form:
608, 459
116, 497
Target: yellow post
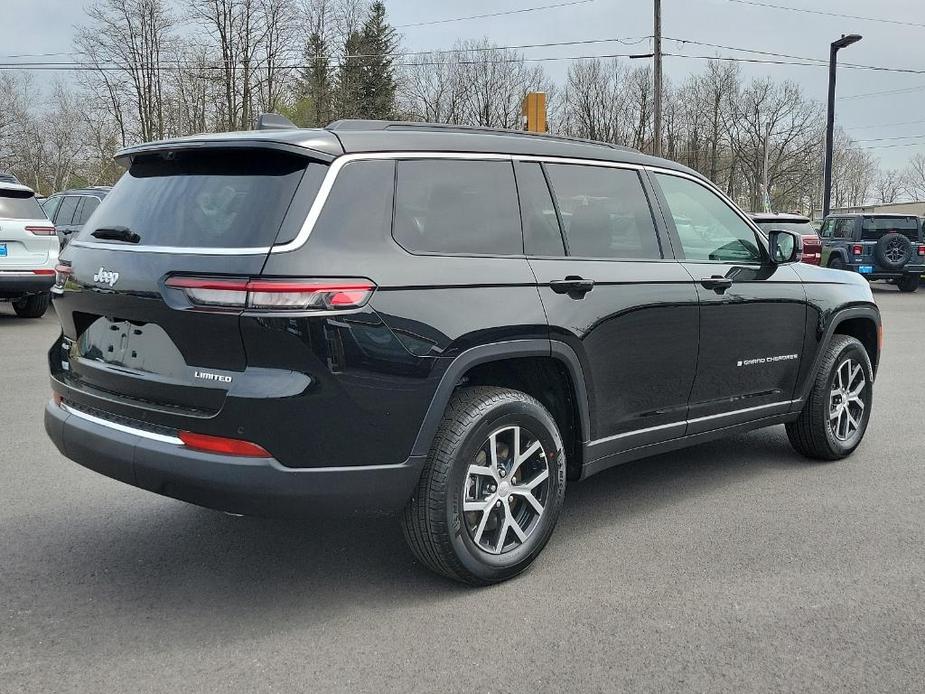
534, 111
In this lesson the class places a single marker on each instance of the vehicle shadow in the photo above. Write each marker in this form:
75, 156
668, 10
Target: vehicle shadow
194, 566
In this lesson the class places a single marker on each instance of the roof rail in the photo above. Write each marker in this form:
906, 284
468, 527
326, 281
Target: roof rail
360, 124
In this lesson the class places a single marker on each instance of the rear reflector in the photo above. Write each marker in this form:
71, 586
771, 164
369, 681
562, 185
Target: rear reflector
219, 444
274, 295
41, 231
43, 272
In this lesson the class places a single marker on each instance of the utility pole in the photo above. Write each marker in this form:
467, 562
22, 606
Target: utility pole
765, 176
657, 79
830, 119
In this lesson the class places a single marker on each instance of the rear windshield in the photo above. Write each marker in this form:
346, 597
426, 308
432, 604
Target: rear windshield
16, 204
873, 228
804, 228
206, 199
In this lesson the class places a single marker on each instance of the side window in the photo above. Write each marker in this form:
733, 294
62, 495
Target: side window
604, 212
67, 209
827, 229
90, 204
50, 206
457, 206
843, 228
708, 228
542, 236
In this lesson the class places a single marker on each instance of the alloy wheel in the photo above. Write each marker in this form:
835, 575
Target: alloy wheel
846, 402
895, 252
505, 490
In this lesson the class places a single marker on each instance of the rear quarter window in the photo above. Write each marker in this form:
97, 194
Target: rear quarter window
457, 207
15, 204
207, 199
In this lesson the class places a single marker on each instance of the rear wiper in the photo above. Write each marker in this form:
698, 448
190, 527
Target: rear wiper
116, 234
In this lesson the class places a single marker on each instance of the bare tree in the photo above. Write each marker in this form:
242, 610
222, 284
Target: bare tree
774, 133
475, 84
914, 177
431, 89
889, 185
125, 43
594, 105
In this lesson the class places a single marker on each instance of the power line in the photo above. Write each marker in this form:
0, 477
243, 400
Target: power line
905, 90
882, 20
625, 41
883, 125
887, 139
902, 144
108, 67
34, 55
494, 14
819, 61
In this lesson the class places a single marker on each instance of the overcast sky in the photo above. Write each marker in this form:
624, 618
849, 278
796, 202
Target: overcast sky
37, 26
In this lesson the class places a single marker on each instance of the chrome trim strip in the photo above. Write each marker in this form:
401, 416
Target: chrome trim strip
175, 250
782, 403
709, 185
163, 438
634, 432
340, 162
328, 183
686, 422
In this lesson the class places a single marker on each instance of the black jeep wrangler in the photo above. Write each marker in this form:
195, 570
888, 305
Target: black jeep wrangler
440, 322
878, 246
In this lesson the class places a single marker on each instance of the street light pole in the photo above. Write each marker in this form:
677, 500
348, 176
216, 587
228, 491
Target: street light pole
830, 118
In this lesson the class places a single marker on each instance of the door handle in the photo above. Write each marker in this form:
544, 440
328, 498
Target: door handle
717, 283
575, 287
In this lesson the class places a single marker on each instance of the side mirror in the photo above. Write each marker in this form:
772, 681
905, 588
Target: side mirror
785, 246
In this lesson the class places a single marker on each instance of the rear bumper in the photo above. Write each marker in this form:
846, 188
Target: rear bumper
13, 284
914, 271
250, 486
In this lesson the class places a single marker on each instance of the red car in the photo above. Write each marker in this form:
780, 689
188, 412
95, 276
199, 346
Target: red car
812, 244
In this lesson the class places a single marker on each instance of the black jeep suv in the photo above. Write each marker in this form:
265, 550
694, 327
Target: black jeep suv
878, 246
445, 322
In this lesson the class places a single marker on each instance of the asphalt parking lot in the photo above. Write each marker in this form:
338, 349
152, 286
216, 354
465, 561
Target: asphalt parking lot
731, 566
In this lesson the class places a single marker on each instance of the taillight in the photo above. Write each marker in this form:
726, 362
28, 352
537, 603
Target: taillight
274, 294
220, 444
921, 250
41, 231
857, 250
43, 272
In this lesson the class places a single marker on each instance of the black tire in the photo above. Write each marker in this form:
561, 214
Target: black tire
909, 283
32, 306
434, 524
893, 251
812, 433
837, 263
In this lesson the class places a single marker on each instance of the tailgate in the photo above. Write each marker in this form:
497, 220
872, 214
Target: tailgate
133, 345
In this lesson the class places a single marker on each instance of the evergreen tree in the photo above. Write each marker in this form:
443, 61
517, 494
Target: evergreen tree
316, 78
350, 78
378, 83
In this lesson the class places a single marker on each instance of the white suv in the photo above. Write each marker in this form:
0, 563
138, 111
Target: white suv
28, 251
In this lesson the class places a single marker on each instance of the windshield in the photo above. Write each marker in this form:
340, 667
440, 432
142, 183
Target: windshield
209, 199
16, 204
